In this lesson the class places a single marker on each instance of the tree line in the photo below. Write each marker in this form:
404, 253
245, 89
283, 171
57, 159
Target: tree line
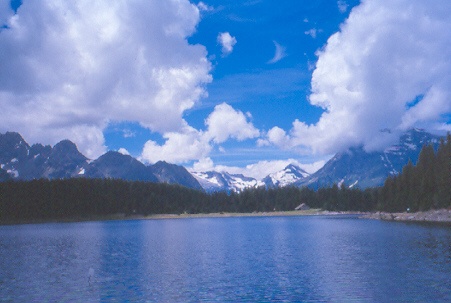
80, 198
422, 186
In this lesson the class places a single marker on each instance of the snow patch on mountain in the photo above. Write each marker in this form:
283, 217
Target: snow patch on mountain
14, 173
213, 181
239, 182
353, 184
285, 177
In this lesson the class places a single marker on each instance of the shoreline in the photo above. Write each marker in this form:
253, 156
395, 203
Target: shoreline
289, 213
441, 216
123, 217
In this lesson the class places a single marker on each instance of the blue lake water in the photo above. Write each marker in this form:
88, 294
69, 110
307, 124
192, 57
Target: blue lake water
254, 259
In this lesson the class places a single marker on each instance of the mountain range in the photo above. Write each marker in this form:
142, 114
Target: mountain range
354, 167
20, 161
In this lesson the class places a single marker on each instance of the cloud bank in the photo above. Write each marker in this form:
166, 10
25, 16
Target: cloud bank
68, 68
389, 67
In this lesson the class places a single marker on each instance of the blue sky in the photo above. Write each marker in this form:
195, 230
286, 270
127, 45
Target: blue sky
244, 86
274, 92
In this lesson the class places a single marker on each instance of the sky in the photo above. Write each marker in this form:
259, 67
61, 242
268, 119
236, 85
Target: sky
243, 86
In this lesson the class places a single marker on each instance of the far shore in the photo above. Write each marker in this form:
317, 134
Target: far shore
119, 217
310, 212
442, 216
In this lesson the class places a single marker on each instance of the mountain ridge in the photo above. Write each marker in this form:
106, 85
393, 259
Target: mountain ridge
20, 161
354, 167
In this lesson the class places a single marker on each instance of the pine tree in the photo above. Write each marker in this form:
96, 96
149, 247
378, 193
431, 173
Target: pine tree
426, 173
442, 197
407, 190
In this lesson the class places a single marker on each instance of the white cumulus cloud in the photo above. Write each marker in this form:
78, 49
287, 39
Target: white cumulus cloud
68, 68
179, 147
227, 42
277, 136
203, 165
123, 151
222, 124
388, 67
225, 122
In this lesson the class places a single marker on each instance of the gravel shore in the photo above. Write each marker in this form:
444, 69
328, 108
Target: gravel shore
435, 216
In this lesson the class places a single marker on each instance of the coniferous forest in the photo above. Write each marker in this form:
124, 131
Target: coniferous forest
419, 187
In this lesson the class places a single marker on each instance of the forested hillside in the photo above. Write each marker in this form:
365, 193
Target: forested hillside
422, 186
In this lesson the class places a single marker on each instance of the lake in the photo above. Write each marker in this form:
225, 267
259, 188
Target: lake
242, 259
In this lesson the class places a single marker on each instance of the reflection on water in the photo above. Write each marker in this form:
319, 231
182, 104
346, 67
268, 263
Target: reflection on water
301, 259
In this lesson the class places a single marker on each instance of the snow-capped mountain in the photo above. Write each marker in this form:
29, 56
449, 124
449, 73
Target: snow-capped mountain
19, 161
212, 181
287, 176
356, 167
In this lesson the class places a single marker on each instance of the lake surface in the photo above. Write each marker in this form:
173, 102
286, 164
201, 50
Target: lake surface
251, 259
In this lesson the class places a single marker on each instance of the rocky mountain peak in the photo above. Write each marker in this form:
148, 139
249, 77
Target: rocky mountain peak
12, 146
172, 173
66, 147
20, 161
119, 166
